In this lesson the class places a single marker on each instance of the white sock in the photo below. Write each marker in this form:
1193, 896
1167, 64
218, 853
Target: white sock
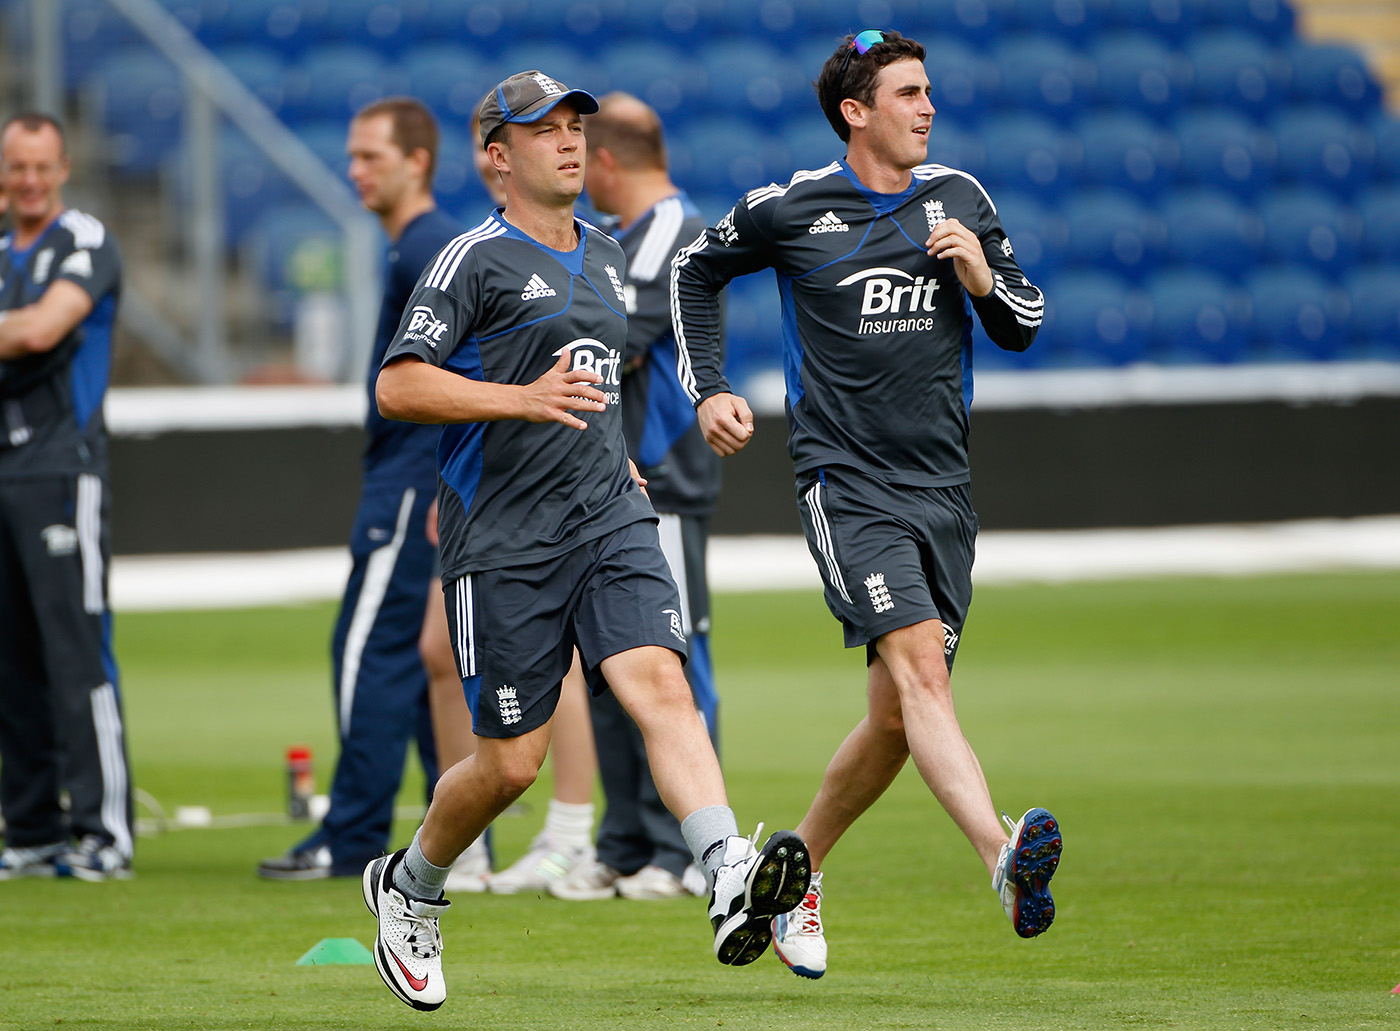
569, 825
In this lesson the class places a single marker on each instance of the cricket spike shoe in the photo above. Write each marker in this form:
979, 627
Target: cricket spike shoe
408, 947
753, 885
1024, 869
798, 938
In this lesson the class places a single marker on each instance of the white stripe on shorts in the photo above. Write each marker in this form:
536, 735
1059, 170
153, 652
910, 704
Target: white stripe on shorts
107, 721
466, 628
379, 570
673, 547
821, 530
88, 517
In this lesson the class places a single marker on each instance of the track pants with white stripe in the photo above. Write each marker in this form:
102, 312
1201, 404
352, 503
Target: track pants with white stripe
381, 688
61, 726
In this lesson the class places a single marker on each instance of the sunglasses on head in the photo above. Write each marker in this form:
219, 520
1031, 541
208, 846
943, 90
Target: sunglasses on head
860, 45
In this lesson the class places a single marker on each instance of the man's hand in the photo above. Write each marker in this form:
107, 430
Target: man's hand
952, 239
637, 477
561, 391
726, 422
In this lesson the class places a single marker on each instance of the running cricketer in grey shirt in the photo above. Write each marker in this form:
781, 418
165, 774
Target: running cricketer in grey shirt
513, 340
881, 260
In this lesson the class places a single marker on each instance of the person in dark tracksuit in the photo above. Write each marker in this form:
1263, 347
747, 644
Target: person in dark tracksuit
61, 726
882, 259
381, 686
641, 851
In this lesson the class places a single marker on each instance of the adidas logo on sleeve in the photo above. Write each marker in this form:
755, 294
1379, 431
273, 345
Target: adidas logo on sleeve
536, 288
829, 223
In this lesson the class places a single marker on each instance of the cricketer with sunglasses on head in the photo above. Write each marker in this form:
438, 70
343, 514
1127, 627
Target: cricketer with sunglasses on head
881, 260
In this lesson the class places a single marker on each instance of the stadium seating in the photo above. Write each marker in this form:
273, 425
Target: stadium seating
1136, 149
1296, 314
1197, 316
1305, 225
1115, 232
1374, 292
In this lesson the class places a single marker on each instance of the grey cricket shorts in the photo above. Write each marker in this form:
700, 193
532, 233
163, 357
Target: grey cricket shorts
514, 630
890, 555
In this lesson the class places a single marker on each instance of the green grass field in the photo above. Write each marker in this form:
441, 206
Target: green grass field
1224, 757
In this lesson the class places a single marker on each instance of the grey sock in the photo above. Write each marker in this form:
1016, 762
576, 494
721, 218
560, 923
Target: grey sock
706, 828
416, 877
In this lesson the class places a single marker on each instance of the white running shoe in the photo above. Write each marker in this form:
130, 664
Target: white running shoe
797, 936
545, 862
652, 882
1024, 869
93, 860
472, 871
30, 862
408, 947
751, 887
586, 882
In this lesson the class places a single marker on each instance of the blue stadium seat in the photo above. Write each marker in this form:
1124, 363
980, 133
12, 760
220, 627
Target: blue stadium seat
326, 139
1138, 71
261, 69
1319, 146
1197, 316
280, 24
1332, 74
750, 78
753, 326
948, 144
811, 142
1308, 226
1115, 232
1268, 19
1379, 209
456, 184
1126, 151
980, 23
716, 154
1225, 150
1097, 315
1025, 152
336, 80
1042, 75
450, 78
713, 206
658, 73
1039, 235
1210, 229
290, 246
1297, 314
1375, 311
1171, 20
1068, 19
1385, 130
141, 105
92, 31
251, 184
964, 82
673, 22
1238, 70
572, 67
379, 24
477, 22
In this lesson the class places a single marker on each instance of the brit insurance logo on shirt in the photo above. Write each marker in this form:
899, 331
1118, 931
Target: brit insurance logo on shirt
595, 356
892, 292
424, 325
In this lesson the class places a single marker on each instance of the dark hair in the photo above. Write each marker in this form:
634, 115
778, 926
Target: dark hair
412, 126
496, 135
860, 74
634, 137
33, 121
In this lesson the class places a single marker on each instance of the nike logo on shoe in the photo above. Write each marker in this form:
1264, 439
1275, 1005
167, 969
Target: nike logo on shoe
416, 983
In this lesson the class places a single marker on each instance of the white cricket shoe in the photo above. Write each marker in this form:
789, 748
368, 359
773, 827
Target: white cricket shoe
586, 882
408, 947
652, 882
797, 936
93, 860
751, 887
545, 862
1024, 869
30, 862
472, 871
